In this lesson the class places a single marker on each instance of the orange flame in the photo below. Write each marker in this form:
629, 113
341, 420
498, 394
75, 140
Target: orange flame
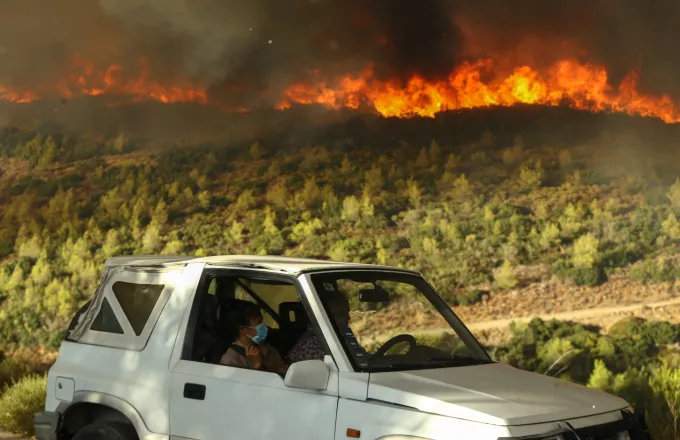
85, 80
567, 82
579, 86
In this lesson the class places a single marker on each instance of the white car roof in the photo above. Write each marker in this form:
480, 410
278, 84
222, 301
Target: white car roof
285, 264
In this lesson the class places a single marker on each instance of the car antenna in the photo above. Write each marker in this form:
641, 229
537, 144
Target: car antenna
410, 245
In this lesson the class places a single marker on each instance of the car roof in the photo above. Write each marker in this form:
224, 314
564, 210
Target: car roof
284, 264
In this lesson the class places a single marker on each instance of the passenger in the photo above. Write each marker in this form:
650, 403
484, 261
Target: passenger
248, 349
308, 347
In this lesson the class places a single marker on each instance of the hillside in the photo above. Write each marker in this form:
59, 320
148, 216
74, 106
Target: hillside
506, 226
531, 225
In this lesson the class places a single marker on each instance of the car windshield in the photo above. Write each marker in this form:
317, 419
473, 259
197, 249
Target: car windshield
395, 321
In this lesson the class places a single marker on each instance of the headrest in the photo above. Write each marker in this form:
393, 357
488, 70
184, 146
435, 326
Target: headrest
295, 308
208, 307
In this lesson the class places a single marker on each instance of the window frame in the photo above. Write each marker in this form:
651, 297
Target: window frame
456, 324
209, 272
129, 340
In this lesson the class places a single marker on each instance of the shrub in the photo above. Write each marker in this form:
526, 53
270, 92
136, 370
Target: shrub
469, 298
12, 370
659, 270
592, 276
664, 412
20, 401
505, 276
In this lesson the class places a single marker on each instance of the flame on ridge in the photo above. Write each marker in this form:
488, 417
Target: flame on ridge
567, 82
84, 80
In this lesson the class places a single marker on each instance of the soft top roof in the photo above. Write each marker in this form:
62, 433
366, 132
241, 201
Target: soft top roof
285, 264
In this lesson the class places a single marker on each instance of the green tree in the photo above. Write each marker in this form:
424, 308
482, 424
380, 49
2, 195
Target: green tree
151, 241
256, 151
277, 194
435, 152
665, 384
585, 253
531, 177
674, 194
48, 153
601, 378
505, 276
351, 209
671, 227
112, 243
423, 160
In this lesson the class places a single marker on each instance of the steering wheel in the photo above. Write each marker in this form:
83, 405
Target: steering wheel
394, 341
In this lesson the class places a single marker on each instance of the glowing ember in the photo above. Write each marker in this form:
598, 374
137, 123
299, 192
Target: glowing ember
567, 83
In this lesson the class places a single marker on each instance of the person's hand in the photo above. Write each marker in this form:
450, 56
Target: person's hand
254, 356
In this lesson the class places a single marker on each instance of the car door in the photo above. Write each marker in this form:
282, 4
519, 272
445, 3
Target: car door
211, 402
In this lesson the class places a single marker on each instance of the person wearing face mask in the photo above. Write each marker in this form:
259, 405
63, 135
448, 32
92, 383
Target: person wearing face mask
249, 349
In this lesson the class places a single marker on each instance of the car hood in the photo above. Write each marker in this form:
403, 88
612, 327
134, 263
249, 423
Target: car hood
496, 394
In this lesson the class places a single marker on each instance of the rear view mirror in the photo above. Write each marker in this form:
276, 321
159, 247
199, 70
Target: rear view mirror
374, 295
308, 375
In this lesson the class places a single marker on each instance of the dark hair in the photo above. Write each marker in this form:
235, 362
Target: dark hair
333, 298
240, 314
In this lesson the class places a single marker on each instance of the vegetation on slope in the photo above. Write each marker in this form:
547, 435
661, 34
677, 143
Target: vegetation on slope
487, 207
490, 208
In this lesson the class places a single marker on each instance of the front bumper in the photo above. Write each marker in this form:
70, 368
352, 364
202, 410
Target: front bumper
46, 425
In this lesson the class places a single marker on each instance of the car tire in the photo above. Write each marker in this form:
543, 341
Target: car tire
106, 431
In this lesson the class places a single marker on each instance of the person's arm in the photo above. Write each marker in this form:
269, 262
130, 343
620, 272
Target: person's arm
272, 360
232, 358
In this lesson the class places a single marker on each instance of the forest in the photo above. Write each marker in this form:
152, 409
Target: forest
71, 201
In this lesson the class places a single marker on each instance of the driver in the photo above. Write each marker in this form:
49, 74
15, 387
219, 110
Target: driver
308, 347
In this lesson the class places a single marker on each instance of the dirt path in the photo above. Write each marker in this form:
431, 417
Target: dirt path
575, 315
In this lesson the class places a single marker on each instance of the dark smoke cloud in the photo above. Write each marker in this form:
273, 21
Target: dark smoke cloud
621, 34
244, 48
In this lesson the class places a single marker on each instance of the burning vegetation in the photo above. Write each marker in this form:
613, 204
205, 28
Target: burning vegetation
395, 60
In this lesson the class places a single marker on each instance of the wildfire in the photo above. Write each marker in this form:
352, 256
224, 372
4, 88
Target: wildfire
569, 83
84, 79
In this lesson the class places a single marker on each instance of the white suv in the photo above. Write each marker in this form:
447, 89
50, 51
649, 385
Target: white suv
135, 364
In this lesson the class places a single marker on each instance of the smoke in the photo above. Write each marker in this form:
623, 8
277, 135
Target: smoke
249, 48
620, 34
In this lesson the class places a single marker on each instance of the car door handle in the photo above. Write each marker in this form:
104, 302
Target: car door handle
194, 391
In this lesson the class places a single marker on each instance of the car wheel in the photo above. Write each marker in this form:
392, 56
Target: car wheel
106, 431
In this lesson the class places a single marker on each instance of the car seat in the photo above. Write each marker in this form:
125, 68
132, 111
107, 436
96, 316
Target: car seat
294, 322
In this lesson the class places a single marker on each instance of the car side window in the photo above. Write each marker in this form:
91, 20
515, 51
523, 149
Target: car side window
272, 294
278, 302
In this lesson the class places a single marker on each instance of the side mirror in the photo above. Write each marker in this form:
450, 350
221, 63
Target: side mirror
307, 375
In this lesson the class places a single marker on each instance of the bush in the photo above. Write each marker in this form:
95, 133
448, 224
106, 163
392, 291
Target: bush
588, 276
11, 371
469, 298
19, 402
659, 270
581, 276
